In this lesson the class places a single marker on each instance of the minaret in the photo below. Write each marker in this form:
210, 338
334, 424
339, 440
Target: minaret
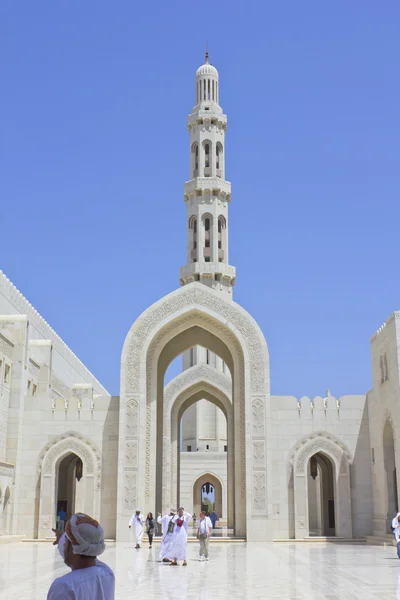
207, 193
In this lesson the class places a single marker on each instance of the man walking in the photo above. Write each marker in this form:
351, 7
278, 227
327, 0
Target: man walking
203, 535
136, 523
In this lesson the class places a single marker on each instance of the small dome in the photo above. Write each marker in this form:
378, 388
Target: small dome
207, 69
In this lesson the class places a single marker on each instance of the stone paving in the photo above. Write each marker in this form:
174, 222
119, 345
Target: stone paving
259, 570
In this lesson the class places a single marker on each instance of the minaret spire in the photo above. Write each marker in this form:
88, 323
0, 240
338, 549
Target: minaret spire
207, 194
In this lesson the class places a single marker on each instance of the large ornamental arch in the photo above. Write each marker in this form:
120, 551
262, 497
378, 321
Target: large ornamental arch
193, 315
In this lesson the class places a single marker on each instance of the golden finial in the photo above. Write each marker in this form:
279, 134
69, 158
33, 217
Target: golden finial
206, 52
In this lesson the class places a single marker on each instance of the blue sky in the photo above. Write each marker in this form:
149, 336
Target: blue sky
94, 153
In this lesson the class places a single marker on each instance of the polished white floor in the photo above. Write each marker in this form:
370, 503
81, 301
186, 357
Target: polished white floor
268, 571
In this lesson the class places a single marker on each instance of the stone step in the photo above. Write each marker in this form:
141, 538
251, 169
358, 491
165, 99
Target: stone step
11, 539
385, 539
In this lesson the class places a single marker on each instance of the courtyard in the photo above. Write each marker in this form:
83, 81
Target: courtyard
298, 571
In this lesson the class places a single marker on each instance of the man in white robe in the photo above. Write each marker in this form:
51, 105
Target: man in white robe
136, 524
79, 545
167, 531
177, 547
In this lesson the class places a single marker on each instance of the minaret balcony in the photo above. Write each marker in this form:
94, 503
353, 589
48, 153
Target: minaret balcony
189, 272
207, 183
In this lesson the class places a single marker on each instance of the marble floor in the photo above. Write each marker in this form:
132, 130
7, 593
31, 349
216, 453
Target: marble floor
254, 571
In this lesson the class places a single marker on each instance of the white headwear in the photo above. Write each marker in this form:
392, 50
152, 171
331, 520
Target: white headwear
85, 535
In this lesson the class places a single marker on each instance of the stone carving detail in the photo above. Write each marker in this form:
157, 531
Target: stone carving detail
194, 295
132, 418
70, 442
131, 454
258, 418
318, 442
192, 376
147, 486
130, 491
258, 454
6, 347
327, 442
259, 502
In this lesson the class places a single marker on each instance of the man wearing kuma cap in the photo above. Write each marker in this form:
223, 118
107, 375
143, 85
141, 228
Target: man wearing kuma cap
79, 545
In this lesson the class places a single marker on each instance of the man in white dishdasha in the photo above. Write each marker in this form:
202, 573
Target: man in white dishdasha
136, 523
79, 546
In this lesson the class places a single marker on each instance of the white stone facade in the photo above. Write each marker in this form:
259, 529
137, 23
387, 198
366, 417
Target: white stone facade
281, 467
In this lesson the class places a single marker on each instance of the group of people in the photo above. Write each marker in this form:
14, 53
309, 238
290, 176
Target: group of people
174, 533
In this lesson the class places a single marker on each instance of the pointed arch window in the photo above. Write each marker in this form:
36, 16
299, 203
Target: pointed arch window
207, 154
382, 370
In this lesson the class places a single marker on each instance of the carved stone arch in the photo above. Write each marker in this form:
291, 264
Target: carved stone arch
323, 439
70, 442
47, 466
196, 306
339, 455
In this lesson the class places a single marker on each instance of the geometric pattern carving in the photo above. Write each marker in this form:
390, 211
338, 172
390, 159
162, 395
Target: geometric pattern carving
259, 503
190, 295
131, 454
130, 491
317, 435
258, 418
259, 454
319, 442
132, 418
70, 442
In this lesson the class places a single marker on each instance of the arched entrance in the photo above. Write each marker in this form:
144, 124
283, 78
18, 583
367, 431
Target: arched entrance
70, 485
390, 474
324, 456
321, 494
59, 463
193, 316
208, 495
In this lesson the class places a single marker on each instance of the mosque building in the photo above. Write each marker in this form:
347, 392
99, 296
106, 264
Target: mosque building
272, 467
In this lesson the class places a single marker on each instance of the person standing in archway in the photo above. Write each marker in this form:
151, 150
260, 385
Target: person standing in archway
136, 523
213, 518
178, 545
79, 546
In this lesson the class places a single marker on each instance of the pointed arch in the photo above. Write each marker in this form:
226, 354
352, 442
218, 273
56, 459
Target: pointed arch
195, 315
47, 467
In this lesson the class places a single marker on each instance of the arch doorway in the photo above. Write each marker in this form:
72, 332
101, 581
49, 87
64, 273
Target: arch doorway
70, 485
189, 317
390, 474
321, 494
208, 495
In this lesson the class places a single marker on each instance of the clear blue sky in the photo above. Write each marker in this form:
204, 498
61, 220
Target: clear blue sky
94, 153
